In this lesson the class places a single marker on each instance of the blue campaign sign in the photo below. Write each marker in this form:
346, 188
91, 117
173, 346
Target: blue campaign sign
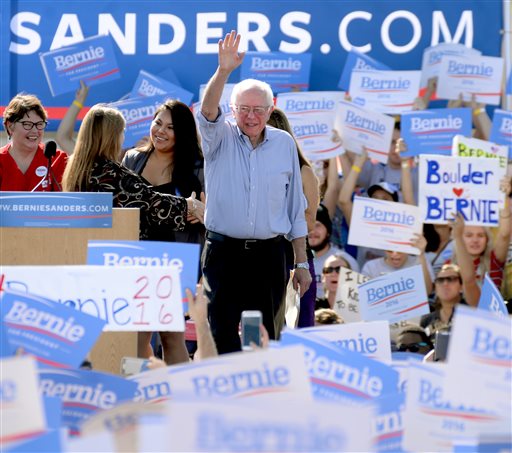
150, 85
84, 392
283, 72
6, 349
338, 374
357, 61
388, 423
508, 89
491, 298
56, 209
501, 129
432, 131
92, 60
185, 257
48, 442
55, 334
138, 112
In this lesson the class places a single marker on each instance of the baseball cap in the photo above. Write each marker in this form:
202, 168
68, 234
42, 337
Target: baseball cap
387, 187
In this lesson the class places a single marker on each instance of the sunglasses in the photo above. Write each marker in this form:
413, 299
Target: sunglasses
450, 279
331, 269
413, 347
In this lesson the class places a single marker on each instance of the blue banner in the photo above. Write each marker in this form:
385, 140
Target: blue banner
357, 61
432, 131
56, 209
55, 334
491, 298
501, 129
283, 72
92, 60
150, 85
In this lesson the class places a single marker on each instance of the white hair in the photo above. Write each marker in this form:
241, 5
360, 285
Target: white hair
253, 84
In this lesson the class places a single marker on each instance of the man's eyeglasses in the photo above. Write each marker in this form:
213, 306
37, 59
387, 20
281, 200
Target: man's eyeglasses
331, 269
413, 347
245, 109
28, 125
449, 279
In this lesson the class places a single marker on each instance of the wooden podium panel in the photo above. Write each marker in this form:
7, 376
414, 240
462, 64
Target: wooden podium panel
47, 246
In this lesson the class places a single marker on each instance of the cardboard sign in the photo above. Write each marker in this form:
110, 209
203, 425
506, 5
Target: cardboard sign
491, 299
341, 375
368, 338
474, 147
148, 85
272, 374
92, 60
460, 184
283, 72
201, 426
347, 295
311, 116
360, 127
23, 414
56, 209
387, 425
384, 225
127, 298
432, 56
432, 131
501, 129
357, 61
478, 75
394, 297
57, 335
84, 392
390, 92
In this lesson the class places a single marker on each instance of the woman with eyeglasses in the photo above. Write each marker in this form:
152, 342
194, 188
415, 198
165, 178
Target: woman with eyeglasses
448, 294
23, 165
330, 277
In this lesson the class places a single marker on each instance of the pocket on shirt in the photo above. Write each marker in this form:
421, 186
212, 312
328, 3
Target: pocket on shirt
277, 190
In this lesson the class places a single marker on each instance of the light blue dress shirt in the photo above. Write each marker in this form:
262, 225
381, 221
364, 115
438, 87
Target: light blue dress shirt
251, 193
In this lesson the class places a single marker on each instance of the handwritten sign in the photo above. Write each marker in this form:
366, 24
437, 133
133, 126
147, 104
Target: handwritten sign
92, 60
311, 115
364, 128
474, 147
22, 408
357, 61
384, 225
57, 335
501, 129
347, 294
432, 131
478, 75
385, 91
491, 298
56, 209
127, 298
454, 184
368, 338
283, 72
148, 85
395, 296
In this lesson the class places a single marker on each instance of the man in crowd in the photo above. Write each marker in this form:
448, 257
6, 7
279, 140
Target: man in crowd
254, 199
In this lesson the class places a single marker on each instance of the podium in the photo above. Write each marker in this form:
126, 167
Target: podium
47, 246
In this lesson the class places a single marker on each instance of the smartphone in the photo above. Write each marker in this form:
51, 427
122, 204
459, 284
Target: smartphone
251, 322
441, 345
133, 365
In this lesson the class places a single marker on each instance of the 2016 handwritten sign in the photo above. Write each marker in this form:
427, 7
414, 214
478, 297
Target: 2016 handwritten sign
360, 128
311, 115
390, 92
478, 75
394, 297
468, 185
127, 298
384, 225
347, 294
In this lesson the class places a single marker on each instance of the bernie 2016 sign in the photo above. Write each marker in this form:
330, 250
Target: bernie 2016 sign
468, 185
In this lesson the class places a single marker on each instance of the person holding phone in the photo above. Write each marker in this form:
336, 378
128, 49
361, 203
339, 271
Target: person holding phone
254, 199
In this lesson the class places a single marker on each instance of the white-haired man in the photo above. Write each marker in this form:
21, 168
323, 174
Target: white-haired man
254, 199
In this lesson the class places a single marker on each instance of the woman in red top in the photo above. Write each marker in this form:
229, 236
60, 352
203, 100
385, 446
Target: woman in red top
23, 165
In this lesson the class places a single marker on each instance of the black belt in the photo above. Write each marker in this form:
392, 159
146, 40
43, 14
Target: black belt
247, 244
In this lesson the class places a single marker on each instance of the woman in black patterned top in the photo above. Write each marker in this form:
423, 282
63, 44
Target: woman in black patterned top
94, 167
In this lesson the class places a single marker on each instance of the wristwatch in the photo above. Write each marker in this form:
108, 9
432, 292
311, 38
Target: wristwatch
304, 265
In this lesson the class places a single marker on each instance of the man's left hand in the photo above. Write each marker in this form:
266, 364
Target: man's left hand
301, 280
